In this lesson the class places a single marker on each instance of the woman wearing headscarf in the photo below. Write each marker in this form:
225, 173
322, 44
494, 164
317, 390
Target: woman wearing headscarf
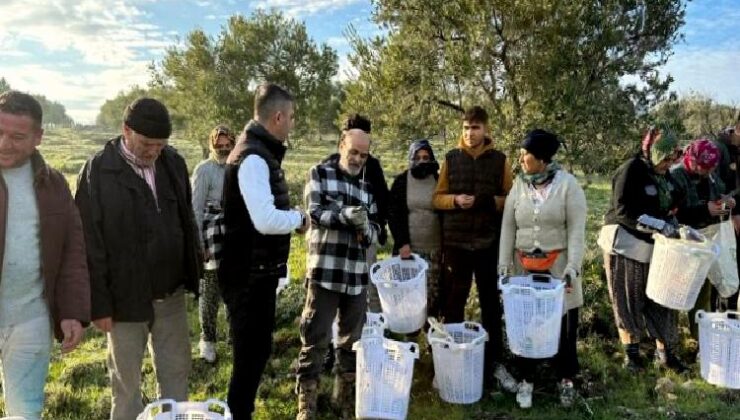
207, 182
642, 185
543, 231
413, 222
703, 201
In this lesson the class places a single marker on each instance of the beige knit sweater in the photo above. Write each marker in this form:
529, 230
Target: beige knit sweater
559, 222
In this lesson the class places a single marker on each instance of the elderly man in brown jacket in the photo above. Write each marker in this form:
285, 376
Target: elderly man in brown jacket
44, 285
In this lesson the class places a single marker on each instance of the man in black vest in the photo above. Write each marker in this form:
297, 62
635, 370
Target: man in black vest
258, 222
472, 187
143, 252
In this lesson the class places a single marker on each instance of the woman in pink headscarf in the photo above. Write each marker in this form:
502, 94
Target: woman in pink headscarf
704, 201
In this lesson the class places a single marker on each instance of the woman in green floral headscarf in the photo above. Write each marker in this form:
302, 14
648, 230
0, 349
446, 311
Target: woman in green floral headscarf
642, 185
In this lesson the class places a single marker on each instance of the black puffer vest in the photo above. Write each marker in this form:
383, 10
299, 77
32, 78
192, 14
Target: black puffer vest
246, 250
478, 227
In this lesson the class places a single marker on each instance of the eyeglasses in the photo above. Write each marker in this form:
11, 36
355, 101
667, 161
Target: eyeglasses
422, 158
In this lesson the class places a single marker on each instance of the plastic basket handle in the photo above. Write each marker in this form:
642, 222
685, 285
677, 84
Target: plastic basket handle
225, 407
699, 315
540, 278
413, 349
157, 404
375, 267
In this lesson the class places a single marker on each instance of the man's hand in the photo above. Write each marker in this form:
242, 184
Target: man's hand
503, 270
405, 251
356, 216
73, 333
464, 201
569, 276
305, 222
104, 324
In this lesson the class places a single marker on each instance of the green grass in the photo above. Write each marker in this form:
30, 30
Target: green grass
78, 386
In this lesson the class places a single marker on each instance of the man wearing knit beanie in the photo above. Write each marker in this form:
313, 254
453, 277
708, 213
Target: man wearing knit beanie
143, 254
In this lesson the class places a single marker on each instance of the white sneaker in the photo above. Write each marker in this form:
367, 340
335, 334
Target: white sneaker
207, 351
524, 394
507, 382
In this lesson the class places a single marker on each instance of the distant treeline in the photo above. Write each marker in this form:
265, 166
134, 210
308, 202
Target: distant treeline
55, 115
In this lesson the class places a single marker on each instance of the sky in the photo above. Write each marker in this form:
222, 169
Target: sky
82, 52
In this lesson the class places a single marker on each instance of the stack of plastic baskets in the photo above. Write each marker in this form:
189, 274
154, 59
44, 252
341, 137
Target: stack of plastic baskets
185, 410
402, 290
533, 310
458, 353
385, 369
719, 348
678, 270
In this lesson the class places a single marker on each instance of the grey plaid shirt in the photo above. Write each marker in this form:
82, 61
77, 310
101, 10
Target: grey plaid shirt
336, 254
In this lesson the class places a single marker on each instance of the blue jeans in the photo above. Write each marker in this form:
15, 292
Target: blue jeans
25, 350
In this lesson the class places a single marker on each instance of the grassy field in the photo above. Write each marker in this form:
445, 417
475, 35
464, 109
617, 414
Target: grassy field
78, 386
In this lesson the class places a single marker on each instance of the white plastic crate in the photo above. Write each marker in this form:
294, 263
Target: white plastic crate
678, 270
533, 312
458, 353
719, 348
186, 410
402, 290
385, 371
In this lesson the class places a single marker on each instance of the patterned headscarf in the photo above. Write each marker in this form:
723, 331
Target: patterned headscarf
659, 143
213, 138
701, 154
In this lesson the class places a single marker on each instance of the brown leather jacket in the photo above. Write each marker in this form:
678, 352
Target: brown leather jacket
63, 257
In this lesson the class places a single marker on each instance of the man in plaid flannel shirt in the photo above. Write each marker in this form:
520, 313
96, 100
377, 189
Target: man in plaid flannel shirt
343, 224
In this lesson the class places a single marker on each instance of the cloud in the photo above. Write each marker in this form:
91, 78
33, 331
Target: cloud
81, 93
106, 47
712, 72
305, 7
103, 32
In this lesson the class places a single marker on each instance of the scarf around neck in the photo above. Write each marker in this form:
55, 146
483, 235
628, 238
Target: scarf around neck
543, 177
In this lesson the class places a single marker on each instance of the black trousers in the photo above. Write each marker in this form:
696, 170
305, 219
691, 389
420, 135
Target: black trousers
252, 318
459, 267
565, 360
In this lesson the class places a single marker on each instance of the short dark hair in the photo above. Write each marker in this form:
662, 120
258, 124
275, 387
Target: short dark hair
270, 98
476, 114
357, 121
19, 103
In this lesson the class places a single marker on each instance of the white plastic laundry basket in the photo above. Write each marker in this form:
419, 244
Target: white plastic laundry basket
458, 353
385, 369
678, 270
719, 348
186, 410
533, 311
402, 289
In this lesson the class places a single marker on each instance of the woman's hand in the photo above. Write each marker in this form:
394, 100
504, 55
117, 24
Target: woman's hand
716, 208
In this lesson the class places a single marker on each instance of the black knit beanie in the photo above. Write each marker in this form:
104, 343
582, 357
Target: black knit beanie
148, 117
542, 144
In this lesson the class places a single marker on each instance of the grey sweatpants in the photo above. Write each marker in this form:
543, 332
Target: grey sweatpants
169, 345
